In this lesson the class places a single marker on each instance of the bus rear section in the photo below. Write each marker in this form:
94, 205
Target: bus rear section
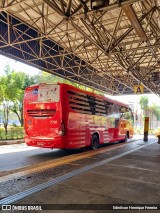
43, 116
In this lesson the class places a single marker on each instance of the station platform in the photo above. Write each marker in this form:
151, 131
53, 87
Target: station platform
121, 179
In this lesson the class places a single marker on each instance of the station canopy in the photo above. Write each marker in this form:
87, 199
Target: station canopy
108, 45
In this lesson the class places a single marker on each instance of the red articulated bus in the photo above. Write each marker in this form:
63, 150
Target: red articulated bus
63, 116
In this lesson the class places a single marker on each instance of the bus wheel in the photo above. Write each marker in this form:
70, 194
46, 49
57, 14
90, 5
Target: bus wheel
125, 140
95, 141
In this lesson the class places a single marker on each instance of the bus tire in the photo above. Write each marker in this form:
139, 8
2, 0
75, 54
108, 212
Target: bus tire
94, 142
125, 139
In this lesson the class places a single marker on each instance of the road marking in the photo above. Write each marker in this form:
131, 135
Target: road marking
64, 160
73, 164
19, 196
58, 162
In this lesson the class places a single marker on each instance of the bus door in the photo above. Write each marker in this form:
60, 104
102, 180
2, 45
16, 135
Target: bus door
124, 127
113, 128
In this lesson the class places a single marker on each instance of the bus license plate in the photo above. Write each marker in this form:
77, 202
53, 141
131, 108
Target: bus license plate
40, 143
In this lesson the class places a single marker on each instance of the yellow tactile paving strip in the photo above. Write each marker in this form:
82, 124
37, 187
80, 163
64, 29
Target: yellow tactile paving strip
58, 162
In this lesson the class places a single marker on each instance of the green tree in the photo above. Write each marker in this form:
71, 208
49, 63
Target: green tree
144, 104
4, 98
12, 88
154, 111
18, 85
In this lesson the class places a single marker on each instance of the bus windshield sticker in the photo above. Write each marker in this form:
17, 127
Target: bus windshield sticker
48, 92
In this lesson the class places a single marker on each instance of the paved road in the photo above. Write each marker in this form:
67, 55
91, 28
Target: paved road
129, 170
20, 155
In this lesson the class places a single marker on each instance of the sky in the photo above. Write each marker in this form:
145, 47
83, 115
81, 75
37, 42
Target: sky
18, 66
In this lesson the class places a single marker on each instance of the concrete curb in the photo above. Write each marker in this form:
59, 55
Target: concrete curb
11, 142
